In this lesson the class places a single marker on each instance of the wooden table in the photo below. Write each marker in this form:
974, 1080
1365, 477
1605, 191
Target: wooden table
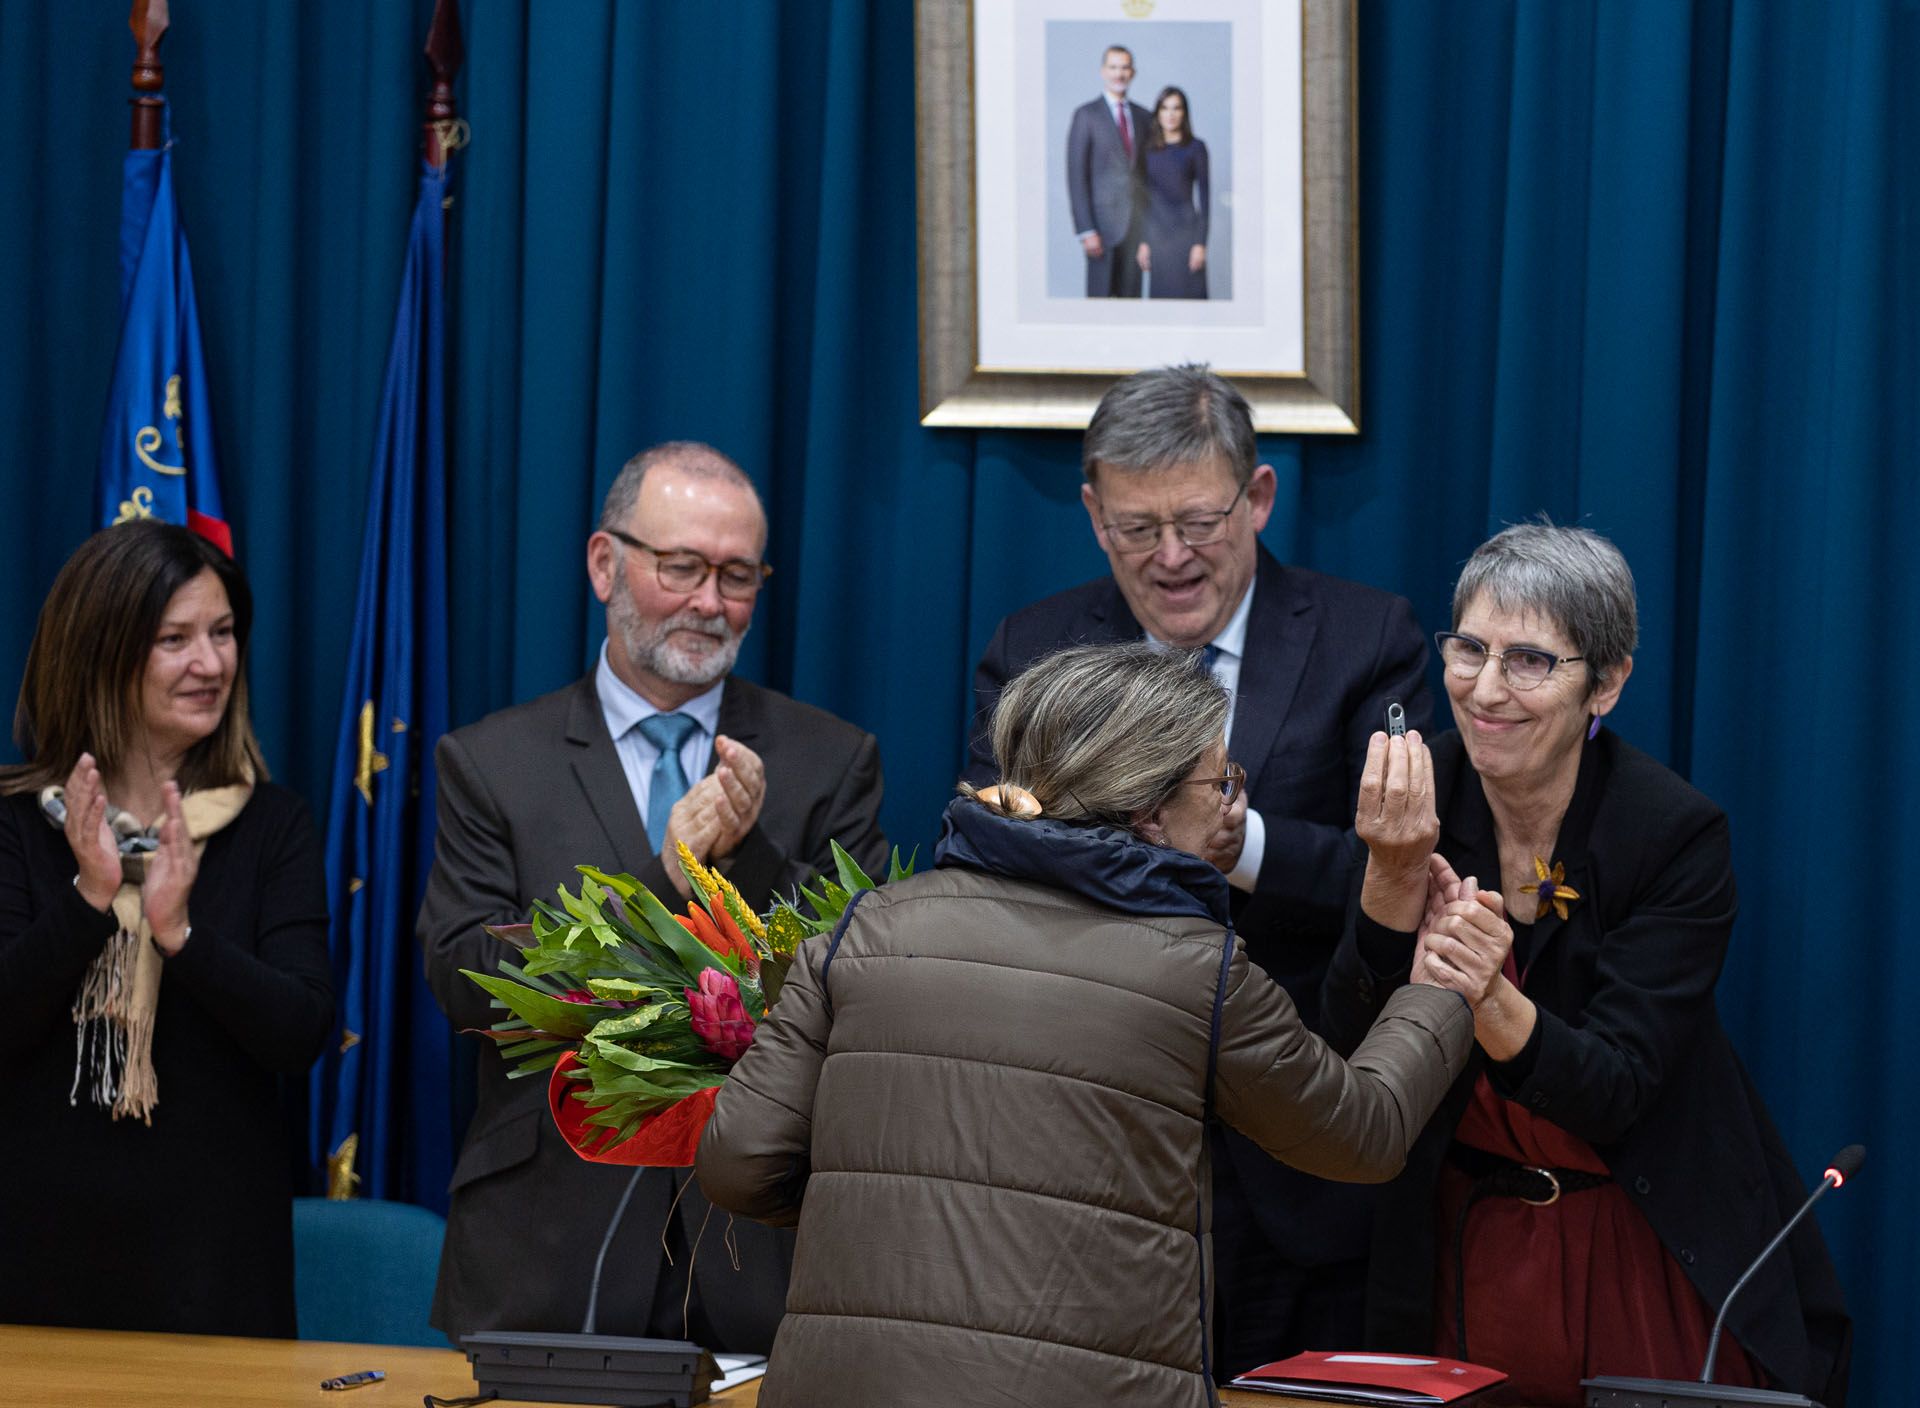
51, 1368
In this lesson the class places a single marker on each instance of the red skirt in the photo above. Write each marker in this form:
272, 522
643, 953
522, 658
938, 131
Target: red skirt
1560, 1293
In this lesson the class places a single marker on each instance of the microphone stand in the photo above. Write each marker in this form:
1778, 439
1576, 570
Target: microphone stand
1614, 1391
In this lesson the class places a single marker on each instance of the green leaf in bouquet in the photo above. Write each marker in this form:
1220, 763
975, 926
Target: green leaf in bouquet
549, 1014
627, 1024
694, 956
538, 1064
616, 989
773, 976
623, 885
897, 871
532, 980
787, 929
628, 1058
852, 878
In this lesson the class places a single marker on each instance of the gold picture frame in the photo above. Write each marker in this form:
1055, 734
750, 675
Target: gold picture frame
957, 390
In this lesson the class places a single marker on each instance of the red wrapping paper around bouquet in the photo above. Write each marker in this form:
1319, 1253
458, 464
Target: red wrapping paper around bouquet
664, 1140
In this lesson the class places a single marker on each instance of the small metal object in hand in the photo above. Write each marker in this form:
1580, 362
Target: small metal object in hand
1396, 719
365, 1376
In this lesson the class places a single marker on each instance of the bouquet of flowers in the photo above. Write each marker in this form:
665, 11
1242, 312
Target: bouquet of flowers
636, 1013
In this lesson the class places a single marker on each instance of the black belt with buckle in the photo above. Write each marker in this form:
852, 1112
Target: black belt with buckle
1495, 1177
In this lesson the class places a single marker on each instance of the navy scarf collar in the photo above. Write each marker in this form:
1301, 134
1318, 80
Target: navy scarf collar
1109, 866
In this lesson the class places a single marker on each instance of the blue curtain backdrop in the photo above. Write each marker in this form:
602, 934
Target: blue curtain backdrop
1641, 264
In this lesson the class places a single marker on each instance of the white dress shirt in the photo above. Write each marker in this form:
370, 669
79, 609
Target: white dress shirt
1232, 645
623, 709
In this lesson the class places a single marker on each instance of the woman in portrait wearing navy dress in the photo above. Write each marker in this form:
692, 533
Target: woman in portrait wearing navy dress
1174, 251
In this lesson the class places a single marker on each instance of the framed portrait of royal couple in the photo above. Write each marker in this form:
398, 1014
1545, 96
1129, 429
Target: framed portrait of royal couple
1106, 185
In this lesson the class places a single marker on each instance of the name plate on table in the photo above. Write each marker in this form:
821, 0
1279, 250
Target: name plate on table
616, 1369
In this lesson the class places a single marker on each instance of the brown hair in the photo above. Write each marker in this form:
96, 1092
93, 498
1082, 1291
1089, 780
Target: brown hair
81, 690
1157, 138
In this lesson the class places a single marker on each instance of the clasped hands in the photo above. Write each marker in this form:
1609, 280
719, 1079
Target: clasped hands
1464, 937
717, 812
171, 869
1143, 256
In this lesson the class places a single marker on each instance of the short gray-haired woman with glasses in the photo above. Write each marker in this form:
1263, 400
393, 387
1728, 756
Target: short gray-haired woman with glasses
984, 1099
1601, 1176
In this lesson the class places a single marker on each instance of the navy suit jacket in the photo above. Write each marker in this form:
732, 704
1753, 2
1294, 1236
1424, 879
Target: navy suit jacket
1323, 656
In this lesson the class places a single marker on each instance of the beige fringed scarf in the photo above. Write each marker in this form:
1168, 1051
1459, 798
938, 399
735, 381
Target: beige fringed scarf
113, 1011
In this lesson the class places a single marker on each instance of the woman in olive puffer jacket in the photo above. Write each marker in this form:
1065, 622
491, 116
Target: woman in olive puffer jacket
984, 1098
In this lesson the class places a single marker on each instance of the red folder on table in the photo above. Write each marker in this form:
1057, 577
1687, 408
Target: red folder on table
1359, 1377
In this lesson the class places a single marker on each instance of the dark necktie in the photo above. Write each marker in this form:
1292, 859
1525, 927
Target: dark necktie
667, 732
1209, 654
1126, 129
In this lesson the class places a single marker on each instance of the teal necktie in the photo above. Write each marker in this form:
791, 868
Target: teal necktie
667, 732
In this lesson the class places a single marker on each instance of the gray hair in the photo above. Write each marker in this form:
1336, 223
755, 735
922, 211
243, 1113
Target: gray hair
1104, 733
692, 457
1169, 416
1572, 576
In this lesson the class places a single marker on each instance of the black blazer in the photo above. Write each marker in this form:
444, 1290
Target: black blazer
1628, 1054
525, 795
1323, 656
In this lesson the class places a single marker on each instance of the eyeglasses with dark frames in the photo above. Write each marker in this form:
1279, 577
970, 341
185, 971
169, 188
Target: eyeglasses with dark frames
1196, 530
1523, 666
1229, 784
684, 571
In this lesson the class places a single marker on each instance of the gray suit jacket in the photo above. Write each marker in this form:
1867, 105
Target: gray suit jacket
525, 795
1106, 187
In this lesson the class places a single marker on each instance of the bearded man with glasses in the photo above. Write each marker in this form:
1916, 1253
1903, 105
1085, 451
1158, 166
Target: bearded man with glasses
1177, 502
659, 744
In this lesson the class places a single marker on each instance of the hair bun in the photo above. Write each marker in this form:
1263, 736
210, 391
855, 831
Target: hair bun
1005, 797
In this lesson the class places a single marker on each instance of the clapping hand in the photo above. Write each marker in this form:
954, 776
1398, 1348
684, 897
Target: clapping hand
171, 871
95, 850
717, 812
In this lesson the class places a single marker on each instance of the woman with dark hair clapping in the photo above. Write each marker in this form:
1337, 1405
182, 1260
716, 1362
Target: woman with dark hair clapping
163, 928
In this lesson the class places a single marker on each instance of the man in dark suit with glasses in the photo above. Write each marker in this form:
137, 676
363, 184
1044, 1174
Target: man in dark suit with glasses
1177, 501
660, 744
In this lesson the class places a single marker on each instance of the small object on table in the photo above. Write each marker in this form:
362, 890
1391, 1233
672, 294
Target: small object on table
365, 1376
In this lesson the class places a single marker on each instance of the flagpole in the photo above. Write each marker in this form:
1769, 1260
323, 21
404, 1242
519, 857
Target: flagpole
445, 52
148, 22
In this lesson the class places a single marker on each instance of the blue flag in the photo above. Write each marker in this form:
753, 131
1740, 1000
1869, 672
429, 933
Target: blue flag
156, 454
385, 1076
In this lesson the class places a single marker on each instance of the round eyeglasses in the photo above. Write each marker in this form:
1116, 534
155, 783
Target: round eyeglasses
1523, 666
1230, 784
684, 571
1196, 530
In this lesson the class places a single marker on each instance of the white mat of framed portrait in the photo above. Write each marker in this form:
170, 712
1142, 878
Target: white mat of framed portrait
1107, 185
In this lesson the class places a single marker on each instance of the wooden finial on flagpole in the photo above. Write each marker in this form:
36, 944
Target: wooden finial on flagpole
445, 53
149, 23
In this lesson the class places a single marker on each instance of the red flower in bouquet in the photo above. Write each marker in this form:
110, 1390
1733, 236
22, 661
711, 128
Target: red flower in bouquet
717, 1015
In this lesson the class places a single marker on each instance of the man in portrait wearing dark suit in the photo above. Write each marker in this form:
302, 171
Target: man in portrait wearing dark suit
659, 744
1310, 661
1107, 181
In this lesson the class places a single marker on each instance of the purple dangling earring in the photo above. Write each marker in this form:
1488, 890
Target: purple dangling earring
1593, 730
